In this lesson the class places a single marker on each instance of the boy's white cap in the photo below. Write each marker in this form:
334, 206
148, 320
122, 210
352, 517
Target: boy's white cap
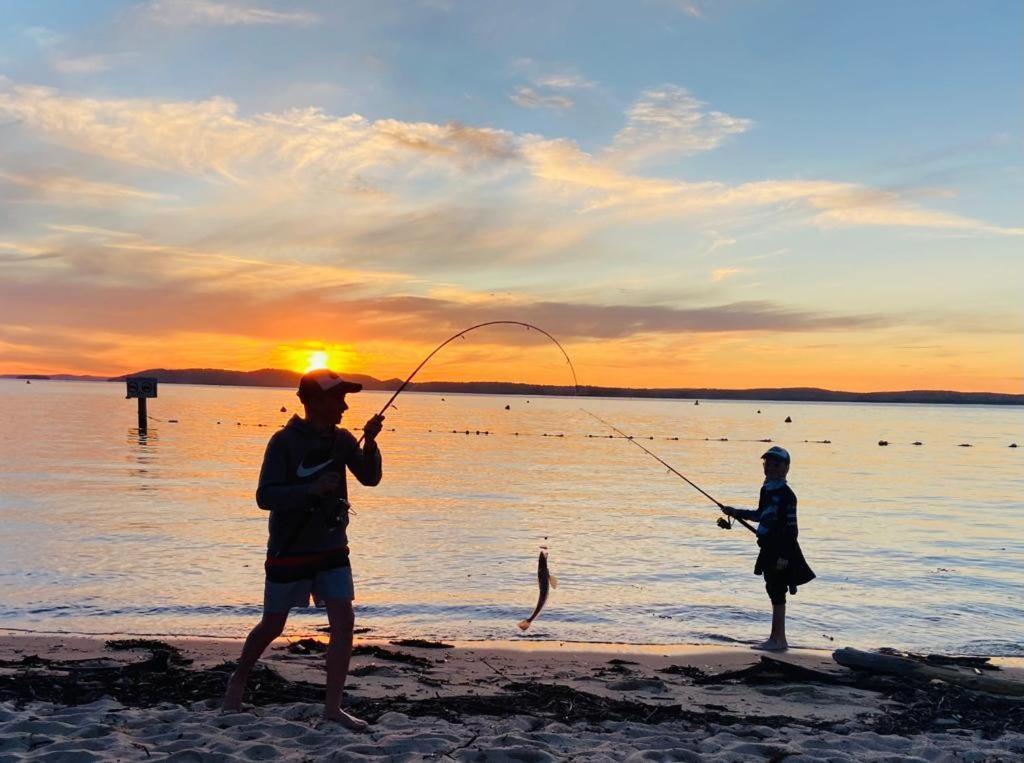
777, 452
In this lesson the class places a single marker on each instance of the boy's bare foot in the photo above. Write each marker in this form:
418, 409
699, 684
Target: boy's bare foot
233, 696
771, 645
347, 720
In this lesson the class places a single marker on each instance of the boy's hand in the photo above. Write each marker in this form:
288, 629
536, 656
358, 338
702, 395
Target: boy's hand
325, 483
781, 564
372, 428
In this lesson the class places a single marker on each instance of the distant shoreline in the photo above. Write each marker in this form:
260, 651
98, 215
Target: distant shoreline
272, 377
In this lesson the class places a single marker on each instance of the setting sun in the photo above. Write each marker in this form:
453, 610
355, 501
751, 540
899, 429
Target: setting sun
317, 359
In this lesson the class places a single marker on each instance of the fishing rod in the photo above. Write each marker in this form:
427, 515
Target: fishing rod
301, 526
721, 522
462, 333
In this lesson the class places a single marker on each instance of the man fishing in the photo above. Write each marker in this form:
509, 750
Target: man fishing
302, 484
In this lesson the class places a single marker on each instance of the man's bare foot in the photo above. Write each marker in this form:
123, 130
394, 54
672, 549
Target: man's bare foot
771, 645
233, 696
347, 720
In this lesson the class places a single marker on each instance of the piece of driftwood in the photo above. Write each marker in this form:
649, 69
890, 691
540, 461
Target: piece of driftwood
981, 663
888, 664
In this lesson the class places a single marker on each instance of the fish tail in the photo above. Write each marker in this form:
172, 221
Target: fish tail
524, 624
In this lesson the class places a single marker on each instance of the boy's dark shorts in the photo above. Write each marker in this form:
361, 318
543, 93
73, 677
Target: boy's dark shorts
775, 584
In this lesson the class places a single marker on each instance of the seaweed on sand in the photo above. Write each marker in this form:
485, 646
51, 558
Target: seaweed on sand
165, 677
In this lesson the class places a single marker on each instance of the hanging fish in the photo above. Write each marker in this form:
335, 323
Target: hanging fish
545, 581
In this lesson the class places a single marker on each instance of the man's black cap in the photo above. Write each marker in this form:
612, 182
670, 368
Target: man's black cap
324, 381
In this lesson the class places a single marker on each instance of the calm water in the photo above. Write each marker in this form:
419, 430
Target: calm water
920, 547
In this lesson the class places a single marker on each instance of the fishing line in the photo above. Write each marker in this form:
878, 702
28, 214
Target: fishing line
449, 340
672, 469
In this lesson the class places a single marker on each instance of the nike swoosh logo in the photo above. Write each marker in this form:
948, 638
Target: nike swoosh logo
306, 471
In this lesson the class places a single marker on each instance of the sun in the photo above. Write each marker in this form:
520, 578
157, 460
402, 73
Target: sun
317, 359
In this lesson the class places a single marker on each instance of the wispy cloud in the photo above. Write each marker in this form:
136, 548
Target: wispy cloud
668, 120
208, 13
82, 64
211, 138
720, 274
529, 98
564, 81
75, 190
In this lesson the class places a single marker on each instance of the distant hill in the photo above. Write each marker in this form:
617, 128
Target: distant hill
264, 377
276, 377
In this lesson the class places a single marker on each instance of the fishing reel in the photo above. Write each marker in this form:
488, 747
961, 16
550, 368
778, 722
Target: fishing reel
725, 523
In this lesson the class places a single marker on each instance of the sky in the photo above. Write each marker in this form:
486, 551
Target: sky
686, 193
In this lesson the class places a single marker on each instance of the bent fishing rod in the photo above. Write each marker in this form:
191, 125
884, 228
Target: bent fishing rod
462, 333
301, 526
721, 522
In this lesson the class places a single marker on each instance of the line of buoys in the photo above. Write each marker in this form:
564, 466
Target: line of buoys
673, 438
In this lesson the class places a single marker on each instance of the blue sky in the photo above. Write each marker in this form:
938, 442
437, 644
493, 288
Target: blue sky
724, 193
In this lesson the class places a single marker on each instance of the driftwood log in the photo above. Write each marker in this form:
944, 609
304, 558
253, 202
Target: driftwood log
873, 662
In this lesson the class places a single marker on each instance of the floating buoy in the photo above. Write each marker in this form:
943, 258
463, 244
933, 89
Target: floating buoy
1013, 445
883, 443
789, 420
172, 421
283, 409
696, 402
758, 410
964, 445
508, 407
918, 442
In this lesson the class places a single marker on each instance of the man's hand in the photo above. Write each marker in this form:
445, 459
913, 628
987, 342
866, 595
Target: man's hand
372, 428
326, 483
781, 564
729, 511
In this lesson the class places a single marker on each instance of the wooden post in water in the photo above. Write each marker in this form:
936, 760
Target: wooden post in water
141, 388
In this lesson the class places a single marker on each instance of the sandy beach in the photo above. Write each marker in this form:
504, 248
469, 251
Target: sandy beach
86, 698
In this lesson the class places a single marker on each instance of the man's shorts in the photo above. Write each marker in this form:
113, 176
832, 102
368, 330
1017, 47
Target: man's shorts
330, 584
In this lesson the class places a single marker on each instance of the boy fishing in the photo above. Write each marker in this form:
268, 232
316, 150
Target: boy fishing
302, 485
780, 560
